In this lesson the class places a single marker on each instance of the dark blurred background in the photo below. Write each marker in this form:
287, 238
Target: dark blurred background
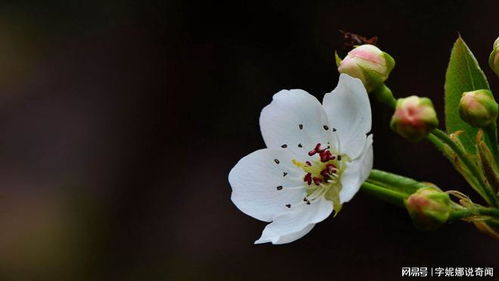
120, 120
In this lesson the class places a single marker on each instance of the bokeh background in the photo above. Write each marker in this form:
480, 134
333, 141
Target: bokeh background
120, 120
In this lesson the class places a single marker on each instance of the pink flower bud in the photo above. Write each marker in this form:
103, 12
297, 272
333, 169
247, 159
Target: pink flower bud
429, 208
414, 118
368, 63
478, 108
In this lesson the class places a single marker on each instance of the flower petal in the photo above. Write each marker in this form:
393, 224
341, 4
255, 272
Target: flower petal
295, 121
296, 223
264, 182
357, 172
285, 238
349, 112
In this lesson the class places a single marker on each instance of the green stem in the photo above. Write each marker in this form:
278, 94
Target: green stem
384, 95
482, 211
440, 145
491, 133
444, 138
493, 223
384, 193
395, 182
482, 189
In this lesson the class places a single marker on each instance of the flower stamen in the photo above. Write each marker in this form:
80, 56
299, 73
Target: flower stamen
322, 176
308, 178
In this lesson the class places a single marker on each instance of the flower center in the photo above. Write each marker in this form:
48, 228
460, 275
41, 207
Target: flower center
322, 176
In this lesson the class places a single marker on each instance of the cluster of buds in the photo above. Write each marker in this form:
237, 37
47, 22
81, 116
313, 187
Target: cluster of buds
494, 57
414, 117
478, 108
429, 208
369, 64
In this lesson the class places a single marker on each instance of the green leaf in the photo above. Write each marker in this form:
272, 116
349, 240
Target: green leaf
463, 75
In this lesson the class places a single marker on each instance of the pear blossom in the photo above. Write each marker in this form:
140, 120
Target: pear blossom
316, 159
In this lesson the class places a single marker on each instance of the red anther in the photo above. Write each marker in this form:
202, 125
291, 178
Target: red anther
331, 168
308, 163
308, 178
326, 156
317, 149
317, 180
325, 173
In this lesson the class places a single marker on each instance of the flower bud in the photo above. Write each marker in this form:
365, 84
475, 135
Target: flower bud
368, 63
478, 108
429, 208
494, 57
414, 118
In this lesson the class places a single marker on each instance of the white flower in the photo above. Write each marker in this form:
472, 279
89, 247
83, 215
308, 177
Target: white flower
317, 157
